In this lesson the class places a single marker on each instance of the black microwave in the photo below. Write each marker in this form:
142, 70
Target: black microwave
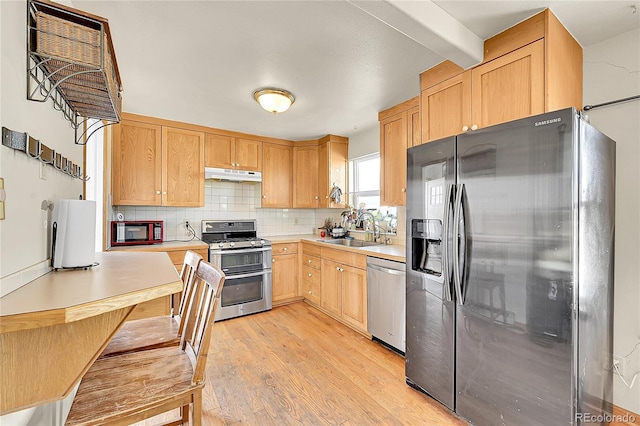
126, 233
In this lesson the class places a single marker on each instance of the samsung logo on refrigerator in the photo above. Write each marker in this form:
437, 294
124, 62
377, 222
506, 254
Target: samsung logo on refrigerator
545, 122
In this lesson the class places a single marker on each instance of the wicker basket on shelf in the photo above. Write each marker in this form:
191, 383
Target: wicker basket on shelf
78, 59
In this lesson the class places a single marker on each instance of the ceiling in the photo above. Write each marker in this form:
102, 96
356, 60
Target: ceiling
200, 61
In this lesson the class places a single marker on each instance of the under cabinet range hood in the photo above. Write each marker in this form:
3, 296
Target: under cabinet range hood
232, 175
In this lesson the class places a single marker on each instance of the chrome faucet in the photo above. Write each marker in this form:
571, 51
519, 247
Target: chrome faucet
376, 227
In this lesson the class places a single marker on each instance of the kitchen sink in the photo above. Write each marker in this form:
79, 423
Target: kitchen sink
350, 243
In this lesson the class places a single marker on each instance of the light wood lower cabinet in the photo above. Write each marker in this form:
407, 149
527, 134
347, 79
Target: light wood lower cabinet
284, 273
311, 283
344, 287
162, 306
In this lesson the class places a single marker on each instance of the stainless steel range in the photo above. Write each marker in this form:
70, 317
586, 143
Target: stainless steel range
235, 248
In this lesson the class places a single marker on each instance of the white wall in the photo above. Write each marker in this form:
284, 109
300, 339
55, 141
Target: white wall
364, 142
612, 71
23, 234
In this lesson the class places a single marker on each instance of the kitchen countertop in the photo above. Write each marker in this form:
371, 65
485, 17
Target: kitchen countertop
391, 251
54, 327
66, 296
164, 246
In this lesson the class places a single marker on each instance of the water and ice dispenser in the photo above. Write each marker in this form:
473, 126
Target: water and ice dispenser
426, 236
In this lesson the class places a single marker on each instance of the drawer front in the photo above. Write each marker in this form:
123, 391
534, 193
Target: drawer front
345, 258
311, 274
284, 248
311, 261
311, 250
311, 291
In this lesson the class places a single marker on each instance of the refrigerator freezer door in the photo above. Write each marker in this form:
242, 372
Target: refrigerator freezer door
430, 304
514, 329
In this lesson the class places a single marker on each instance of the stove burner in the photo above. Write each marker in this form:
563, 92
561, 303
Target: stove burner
231, 235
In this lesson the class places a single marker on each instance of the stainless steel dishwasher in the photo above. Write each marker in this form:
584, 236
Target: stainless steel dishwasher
386, 302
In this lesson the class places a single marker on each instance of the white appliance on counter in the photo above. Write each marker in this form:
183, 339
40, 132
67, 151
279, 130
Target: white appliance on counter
73, 234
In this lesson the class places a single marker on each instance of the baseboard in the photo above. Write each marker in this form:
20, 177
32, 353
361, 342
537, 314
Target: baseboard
286, 301
622, 417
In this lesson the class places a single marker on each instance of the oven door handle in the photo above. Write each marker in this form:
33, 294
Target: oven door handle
252, 274
232, 251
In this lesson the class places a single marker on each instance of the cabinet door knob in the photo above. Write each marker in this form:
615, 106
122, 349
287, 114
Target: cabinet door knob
309, 275
326, 196
285, 249
158, 192
264, 196
164, 192
465, 128
310, 292
403, 190
273, 260
317, 197
474, 127
309, 260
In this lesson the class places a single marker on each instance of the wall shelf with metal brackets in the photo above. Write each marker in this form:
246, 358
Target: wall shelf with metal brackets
33, 148
71, 61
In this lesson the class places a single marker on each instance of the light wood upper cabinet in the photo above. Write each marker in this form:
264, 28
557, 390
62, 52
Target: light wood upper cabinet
157, 165
137, 164
228, 152
317, 166
333, 169
183, 170
414, 135
399, 129
531, 68
248, 154
446, 107
509, 87
277, 168
306, 193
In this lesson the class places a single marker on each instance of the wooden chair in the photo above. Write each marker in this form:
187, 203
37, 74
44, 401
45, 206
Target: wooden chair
133, 387
160, 331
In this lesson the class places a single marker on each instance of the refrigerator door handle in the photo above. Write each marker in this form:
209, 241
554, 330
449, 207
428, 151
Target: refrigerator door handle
445, 245
456, 245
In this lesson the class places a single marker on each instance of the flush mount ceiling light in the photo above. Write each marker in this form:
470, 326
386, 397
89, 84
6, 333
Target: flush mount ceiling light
274, 100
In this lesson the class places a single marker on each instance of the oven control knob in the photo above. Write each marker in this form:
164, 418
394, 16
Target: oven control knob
232, 244
262, 242
221, 245
253, 243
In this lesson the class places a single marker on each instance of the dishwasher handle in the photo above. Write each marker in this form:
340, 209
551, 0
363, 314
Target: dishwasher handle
386, 270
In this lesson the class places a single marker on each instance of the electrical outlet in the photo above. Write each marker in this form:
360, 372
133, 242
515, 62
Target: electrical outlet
187, 230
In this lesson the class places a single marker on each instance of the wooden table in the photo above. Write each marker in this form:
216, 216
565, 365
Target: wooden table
53, 328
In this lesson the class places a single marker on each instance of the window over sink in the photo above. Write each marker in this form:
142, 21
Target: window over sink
364, 190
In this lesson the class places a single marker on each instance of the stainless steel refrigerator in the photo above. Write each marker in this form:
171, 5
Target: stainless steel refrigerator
510, 236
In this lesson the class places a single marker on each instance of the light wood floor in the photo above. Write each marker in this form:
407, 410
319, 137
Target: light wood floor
295, 365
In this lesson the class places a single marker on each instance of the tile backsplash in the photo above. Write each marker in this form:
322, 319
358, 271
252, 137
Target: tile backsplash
237, 201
